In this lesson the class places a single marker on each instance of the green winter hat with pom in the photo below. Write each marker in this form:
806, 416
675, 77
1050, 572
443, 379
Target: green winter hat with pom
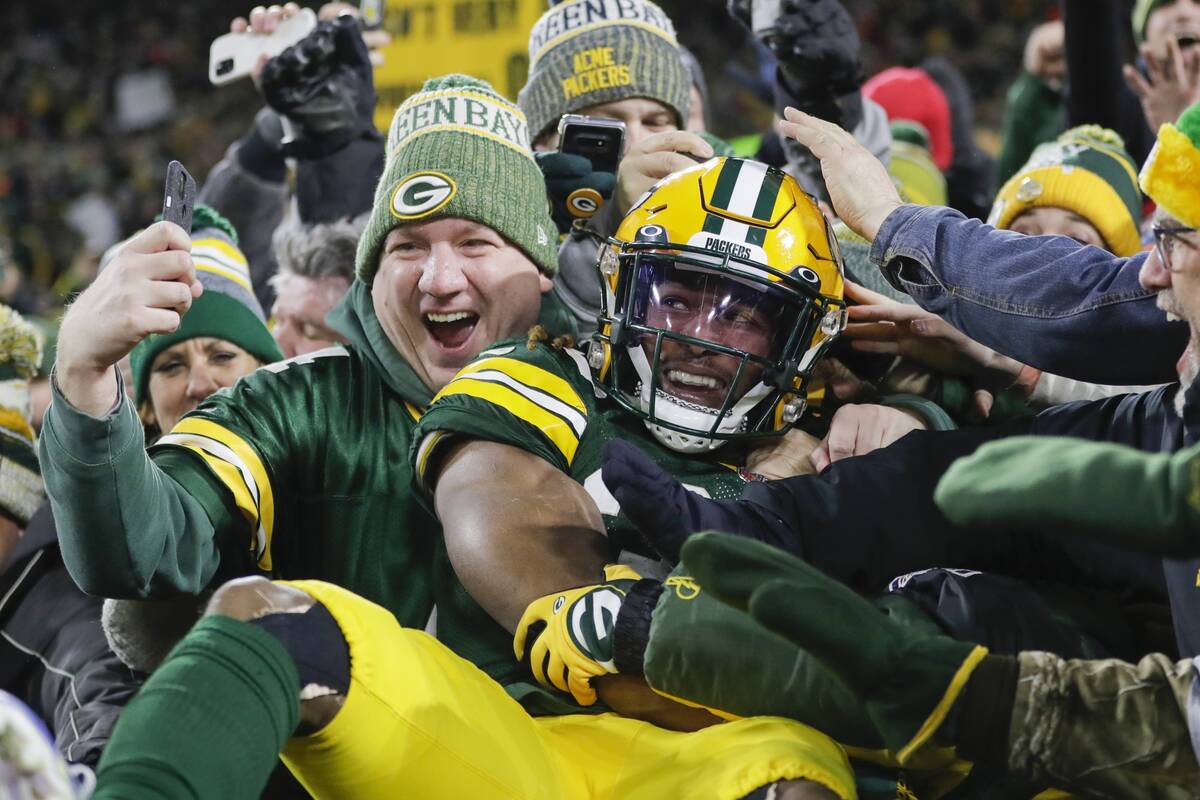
459, 149
227, 309
1171, 174
1085, 170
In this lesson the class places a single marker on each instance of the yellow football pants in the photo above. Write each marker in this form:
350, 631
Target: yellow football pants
421, 722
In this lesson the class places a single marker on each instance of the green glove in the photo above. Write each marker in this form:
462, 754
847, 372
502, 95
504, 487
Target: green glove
1115, 493
907, 680
574, 189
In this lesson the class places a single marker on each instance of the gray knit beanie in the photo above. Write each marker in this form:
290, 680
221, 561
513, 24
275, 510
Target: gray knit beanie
589, 52
459, 149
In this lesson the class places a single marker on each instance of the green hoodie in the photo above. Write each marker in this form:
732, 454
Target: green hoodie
300, 470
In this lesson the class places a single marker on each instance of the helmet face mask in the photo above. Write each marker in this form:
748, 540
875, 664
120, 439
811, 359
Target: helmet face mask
703, 338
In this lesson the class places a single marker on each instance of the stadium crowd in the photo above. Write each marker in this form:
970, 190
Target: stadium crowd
558, 446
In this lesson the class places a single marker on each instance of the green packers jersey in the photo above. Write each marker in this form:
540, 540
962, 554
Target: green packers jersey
544, 401
302, 467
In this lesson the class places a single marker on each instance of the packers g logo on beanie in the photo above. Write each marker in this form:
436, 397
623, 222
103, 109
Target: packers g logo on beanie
421, 194
458, 149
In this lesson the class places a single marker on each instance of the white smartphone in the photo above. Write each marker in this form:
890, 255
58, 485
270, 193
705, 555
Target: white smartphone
763, 15
234, 55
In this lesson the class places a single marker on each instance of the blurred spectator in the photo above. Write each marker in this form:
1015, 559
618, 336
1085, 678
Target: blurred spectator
65, 162
913, 168
316, 268
910, 94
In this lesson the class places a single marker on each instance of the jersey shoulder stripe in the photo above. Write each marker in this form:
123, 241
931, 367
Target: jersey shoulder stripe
535, 395
238, 467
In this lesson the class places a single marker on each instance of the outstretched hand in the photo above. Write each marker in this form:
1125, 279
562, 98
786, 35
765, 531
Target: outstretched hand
662, 508
1172, 83
902, 676
860, 188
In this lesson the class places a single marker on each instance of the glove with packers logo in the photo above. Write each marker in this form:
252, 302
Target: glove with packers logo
575, 643
574, 189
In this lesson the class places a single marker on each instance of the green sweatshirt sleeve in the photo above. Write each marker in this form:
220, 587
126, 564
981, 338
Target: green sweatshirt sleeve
126, 528
1110, 492
1033, 113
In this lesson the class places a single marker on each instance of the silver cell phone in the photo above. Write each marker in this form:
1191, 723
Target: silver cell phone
602, 141
763, 16
234, 55
179, 196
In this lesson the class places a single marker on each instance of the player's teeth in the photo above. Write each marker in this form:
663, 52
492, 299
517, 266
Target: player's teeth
689, 379
452, 317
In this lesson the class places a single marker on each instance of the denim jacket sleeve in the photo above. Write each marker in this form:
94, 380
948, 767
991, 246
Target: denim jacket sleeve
1046, 301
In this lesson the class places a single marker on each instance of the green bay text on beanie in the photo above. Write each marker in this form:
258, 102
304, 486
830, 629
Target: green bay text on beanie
459, 149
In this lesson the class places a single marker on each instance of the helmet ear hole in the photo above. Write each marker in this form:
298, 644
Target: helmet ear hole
651, 234
807, 275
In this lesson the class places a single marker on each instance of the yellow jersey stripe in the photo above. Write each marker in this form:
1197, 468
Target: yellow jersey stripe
242, 456
577, 421
530, 375
427, 446
555, 428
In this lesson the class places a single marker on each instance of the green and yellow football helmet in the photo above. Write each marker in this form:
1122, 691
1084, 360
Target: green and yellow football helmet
723, 287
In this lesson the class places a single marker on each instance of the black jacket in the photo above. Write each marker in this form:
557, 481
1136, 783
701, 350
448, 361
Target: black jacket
866, 520
53, 654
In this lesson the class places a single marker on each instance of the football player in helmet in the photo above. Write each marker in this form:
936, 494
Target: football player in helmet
723, 288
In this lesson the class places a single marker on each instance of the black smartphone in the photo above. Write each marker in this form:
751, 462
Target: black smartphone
599, 140
179, 196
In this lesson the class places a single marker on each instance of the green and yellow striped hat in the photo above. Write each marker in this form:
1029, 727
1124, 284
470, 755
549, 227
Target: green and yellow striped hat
1171, 174
21, 491
227, 310
1086, 170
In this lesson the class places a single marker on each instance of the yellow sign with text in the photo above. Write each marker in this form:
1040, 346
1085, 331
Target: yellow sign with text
488, 39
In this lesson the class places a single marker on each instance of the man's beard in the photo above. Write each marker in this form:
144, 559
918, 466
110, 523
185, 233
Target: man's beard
1167, 302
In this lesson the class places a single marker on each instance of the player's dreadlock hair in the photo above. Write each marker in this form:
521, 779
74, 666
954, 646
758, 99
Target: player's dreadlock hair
539, 335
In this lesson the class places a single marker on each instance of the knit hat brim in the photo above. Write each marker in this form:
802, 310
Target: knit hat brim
1171, 174
1082, 192
212, 314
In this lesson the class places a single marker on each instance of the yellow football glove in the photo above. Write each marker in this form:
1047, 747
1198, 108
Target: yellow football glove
576, 644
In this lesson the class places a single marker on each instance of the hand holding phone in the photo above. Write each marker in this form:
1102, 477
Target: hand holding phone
234, 55
599, 140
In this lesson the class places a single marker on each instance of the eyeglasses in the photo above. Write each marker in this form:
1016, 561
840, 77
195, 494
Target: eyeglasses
1164, 241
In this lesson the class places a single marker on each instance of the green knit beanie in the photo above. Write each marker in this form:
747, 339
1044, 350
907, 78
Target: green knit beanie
589, 52
459, 149
1086, 170
1142, 9
912, 167
227, 310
